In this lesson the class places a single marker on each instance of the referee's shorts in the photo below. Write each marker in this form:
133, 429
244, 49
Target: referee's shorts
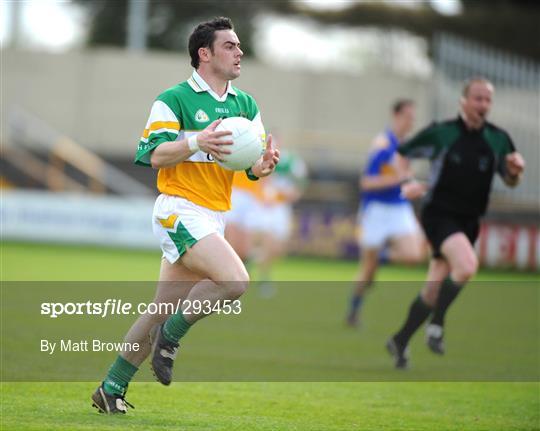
439, 225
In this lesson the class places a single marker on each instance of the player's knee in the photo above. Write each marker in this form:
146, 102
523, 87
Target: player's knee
237, 290
413, 257
362, 285
465, 270
239, 275
232, 274
236, 284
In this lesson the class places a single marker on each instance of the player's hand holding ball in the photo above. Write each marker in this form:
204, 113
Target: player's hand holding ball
214, 142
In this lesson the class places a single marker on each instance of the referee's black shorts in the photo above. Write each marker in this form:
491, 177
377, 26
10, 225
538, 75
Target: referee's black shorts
439, 225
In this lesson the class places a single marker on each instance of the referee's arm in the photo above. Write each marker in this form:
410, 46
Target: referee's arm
514, 167
423, 145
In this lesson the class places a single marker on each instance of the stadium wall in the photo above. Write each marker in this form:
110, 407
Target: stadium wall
126, 222
101, 98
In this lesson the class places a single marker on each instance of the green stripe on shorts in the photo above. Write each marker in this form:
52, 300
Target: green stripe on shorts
182, 238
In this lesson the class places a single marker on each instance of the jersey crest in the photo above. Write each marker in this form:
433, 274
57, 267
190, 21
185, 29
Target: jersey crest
201, 116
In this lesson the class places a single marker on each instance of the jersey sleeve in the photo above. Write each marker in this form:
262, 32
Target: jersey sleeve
255, 116
508, 147
163, 125
423, 145
257, 121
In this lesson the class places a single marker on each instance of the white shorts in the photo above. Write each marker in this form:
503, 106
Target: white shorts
251, 215
380, 222
246, 210
277, 221
179, 224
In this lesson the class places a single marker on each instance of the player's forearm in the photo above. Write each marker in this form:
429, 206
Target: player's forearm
170, 154
256, 169
413, 189
379, 182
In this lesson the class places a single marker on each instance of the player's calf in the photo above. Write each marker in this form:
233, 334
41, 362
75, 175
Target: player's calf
465, 270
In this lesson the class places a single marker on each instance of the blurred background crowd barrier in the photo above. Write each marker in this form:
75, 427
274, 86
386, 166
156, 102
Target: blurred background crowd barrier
71, 118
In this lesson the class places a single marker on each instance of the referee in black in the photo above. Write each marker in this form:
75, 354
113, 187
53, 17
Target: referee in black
465, 152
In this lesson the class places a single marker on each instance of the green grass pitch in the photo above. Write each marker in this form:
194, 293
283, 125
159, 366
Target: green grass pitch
332, 405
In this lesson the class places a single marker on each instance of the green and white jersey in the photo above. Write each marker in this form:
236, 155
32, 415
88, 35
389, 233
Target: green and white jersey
180, 112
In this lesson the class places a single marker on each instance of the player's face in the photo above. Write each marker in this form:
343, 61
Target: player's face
226, 55
477, 103
406, 117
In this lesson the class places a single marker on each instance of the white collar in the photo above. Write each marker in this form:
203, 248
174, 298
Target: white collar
198, 84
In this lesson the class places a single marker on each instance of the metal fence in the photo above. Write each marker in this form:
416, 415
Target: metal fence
516, 105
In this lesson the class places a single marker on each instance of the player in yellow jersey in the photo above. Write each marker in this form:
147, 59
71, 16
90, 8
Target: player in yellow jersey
260, 222
180, 140
281, 191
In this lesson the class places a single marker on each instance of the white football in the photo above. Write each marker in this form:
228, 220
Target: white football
247, 145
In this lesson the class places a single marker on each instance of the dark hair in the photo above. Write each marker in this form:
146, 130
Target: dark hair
401, 104
203, 36
469, 82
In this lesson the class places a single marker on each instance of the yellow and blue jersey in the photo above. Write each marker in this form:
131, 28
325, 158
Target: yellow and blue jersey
380, 162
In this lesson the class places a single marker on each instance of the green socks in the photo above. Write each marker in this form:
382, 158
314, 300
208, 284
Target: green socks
121, 371
119, 376
175, 327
